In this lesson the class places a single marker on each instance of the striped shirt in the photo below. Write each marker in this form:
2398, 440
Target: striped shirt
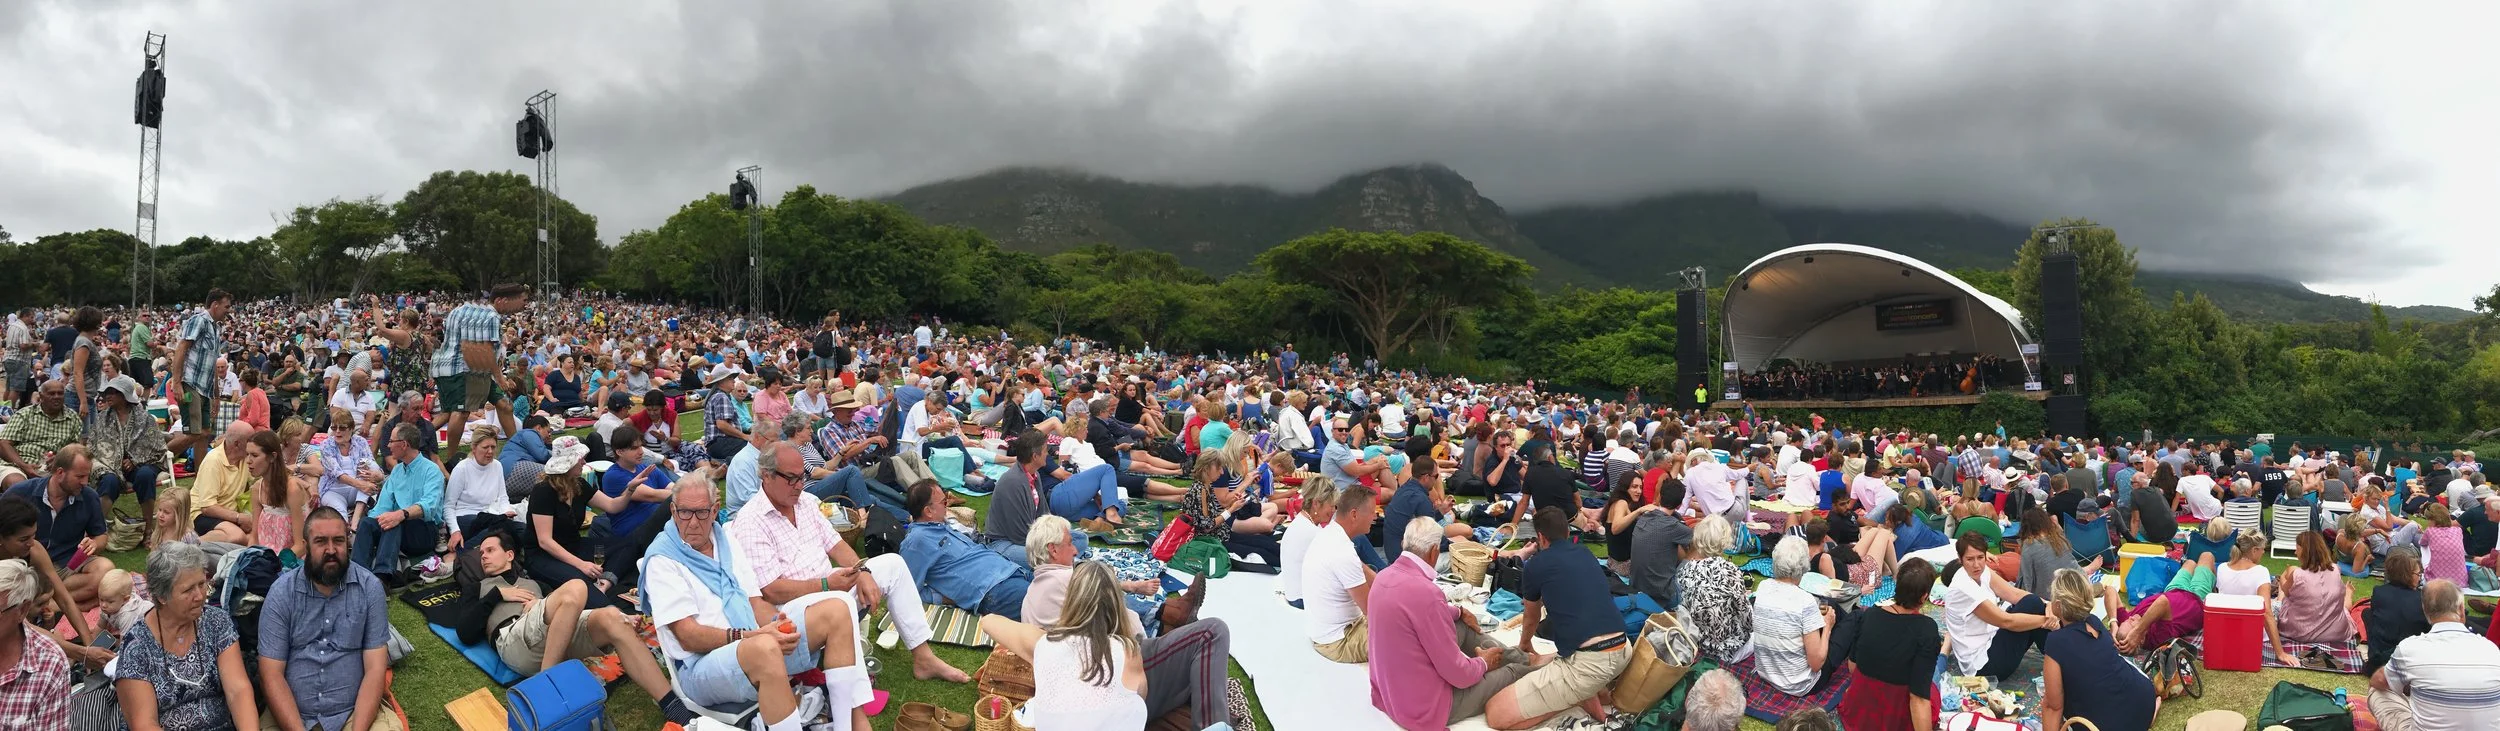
208, 343
2452, 675
469, 323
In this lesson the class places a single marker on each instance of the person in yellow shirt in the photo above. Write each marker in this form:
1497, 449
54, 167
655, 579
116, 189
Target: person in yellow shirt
220, 494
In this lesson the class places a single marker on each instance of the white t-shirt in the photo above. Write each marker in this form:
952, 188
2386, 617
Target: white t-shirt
921, 335
676, 594
1297, 543
1077, 455
2229, 580
1392, 418
1329, 573
1969, 635
2201, 501
915, 420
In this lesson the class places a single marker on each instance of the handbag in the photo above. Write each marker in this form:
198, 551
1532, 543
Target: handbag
1168, 543
1204, 557
93, 706
1650, 675
126, 532
566, 697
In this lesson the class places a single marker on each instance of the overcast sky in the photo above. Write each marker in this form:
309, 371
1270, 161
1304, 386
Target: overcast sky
2348, 145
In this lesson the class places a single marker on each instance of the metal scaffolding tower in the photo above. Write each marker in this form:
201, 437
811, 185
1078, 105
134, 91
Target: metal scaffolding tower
148, 111
544, 105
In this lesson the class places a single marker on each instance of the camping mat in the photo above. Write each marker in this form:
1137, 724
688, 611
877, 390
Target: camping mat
949, 625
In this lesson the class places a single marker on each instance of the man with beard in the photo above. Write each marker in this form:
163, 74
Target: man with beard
323, 636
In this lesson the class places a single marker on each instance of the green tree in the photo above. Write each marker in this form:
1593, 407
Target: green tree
1396, 286
482, 228
326, 246
2113, 308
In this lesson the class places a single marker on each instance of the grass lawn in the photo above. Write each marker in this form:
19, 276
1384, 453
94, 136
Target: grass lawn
435, 674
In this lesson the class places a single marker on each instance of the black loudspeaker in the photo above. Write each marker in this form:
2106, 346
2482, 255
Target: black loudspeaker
2061, 347
1692, 348
741, 194
148, 102
530, 136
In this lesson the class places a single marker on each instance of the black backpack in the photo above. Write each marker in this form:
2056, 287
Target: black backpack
823, 344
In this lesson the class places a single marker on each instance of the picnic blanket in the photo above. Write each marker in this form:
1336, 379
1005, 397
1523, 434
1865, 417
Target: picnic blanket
947, 624
434, 601
2348, 656
1769, 704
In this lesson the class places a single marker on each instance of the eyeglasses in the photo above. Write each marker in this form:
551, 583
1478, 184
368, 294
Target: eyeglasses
791, 476
696, 513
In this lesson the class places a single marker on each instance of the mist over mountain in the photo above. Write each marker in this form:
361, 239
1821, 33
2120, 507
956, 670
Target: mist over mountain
1641, 242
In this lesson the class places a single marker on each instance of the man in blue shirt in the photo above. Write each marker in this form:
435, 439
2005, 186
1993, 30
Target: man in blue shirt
951, 568
644, 482
69, 520
527, 445
1411, 501
1567, 585
324, 635
401, 523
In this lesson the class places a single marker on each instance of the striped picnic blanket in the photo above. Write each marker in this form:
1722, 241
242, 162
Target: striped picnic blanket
949, 625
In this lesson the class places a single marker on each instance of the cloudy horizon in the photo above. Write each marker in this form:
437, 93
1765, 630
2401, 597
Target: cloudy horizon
2336, 145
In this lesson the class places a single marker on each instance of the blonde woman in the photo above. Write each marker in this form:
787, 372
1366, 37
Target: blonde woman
2083, 675
1090, 675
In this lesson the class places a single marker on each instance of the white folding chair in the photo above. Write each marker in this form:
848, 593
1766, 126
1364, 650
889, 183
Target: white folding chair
2246, 516
2330, 511
736, 717
2290, 520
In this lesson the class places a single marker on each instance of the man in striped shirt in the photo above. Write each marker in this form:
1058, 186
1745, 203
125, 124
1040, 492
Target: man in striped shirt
464, 364
194, 365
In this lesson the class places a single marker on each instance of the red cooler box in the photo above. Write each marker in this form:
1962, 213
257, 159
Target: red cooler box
2235, 632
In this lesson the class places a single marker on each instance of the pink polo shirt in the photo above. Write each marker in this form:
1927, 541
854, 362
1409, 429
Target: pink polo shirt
1415, 660
777, 548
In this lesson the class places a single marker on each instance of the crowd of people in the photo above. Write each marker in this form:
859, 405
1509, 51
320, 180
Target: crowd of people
530, 450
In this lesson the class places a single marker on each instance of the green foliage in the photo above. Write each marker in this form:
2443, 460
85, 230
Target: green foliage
1614, 339
2017, 414
88, 267
482, 229
1399, 288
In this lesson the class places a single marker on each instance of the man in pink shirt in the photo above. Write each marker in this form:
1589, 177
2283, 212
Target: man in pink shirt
794, 552
1422, 674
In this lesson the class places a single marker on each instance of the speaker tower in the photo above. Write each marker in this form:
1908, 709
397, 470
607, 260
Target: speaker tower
2061, 330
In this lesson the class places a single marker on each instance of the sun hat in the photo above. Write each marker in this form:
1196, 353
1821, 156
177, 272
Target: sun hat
565, 454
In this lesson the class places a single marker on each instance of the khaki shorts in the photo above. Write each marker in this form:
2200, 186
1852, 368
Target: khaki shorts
1565, 682
385, 718
1353, 648
470, 391
523, 643
199, 410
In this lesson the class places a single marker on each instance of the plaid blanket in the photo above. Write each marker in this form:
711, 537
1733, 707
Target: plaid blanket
1769, 704
949, 625
2347, 656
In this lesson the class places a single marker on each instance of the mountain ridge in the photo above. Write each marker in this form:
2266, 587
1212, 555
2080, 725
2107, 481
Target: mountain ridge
1640, 242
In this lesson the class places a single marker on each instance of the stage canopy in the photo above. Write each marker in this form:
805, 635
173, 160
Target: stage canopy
1841, 303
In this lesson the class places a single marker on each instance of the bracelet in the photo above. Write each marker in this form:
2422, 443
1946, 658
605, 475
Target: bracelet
736, 634
825, 584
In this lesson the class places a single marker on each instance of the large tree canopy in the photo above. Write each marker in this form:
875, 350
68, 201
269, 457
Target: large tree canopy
1396, 287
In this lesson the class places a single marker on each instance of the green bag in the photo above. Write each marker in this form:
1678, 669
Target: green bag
1668, 714
1204, 557
2302, 708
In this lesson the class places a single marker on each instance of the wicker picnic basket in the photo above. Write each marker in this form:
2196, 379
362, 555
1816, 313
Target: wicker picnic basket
1469, 560
996, 713
1006, 675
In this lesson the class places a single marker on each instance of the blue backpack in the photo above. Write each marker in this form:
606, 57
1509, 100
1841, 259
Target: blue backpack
565, 698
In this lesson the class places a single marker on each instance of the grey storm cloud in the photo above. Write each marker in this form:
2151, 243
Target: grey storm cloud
2202, 131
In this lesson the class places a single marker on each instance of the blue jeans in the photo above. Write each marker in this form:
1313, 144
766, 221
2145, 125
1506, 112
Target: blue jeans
1083, 495
142, 480
380, 550
1006, 598
849, 482
1371, 556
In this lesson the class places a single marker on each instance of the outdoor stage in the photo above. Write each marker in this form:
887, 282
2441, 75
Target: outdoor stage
1874, 403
